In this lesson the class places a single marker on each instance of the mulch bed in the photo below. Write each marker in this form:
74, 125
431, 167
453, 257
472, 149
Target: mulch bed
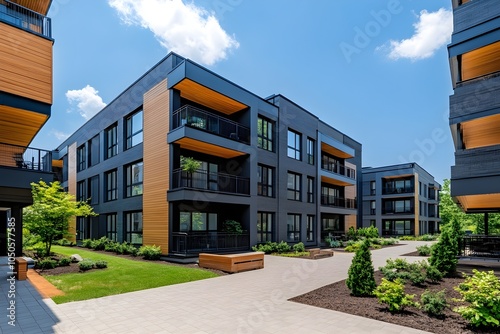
337, 297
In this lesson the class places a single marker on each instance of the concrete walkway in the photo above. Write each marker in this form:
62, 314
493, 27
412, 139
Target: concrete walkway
248, 302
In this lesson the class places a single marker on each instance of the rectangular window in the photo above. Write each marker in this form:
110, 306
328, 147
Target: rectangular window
399, 206
82, 228
134, 174
294, 140
111, 141
133, 227
397, 227
198, 221
133, 125
293, 227
265, 222
81, 193
111, 185
310, 189
265, 181
111, 227
93, 151
265, 134
310, 228
81, 156
93, 191
372, 188
293, 186
372, 207
310, 151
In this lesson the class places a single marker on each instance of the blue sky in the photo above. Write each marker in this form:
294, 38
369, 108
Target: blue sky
375, 70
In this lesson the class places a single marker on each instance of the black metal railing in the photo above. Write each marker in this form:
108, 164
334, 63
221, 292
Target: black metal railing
340, 169
347, 203
26, 158
193, 243
204, 120
480, 246
405, 211
204, 180
397, 190
25, 18
396, 233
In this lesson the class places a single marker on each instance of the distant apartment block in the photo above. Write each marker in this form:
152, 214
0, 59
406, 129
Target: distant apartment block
266, 163
400, 200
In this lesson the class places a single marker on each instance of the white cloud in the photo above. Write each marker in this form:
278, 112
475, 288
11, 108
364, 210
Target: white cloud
59, 134
432, 31
181, 27
87, 101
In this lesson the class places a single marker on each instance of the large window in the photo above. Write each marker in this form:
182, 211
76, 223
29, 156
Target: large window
265, 134
293, 227
265, 181
372, 188
93, 191
310, 151
332, 225
81, 155
82, 228
373, 207
310, 228
133, 227
93, 151
133, 127
265, 221
310, 189
81, 191
397, 227
111, 226
398, 206
197, 221
293, 186
399, 186
111, 141
111, 185
294, 139
134, 180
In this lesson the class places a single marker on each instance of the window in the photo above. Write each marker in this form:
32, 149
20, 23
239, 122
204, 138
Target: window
332, 196
111, 141
134, 174
197, 221
111, 227
310, 228
265, 222
372, 207
372, 188
399, 206
398, 186
81, 158
397, 227
310, 151
93, 191
425, 190
373, 223
111, 185
293, 227
81, 193
93, 151
133, 127
294, 145
265, 181
265, 134
293, 187
332, 225
133, 227
310, 189
82, 228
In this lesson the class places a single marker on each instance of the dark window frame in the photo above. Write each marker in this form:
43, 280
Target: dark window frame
294, 193
130, 134
310, 189
111, 233
130, 185
293, 235
294, 150
111, 141
310, 148
129, 232
265, 182
81, 158
111, 185
265, 134
310, 228
267, 219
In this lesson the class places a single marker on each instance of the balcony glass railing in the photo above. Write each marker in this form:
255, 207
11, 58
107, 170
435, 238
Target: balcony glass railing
398, 190
218, 182
25, 18
402, 211
193, 243
339, 169
203, 120
25, 158
338, 202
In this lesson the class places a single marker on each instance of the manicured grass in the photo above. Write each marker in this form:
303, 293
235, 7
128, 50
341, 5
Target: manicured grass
122, 275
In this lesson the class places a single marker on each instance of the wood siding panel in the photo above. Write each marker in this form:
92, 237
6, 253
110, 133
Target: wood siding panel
480, 62
72, 187
156, 167
25, 64
18, 127
39, 6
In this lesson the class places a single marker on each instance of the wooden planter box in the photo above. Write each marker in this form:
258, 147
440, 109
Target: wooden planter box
232, 263
21, 269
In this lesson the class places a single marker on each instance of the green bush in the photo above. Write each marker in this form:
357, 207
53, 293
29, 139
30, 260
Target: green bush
29, 239
63, 262
407, 238
401, 269
101, 264
376, 246
64, 242
99, 244
283, 247
295, 254
351, 242
424, 250
352, 234
368, 232
86, 264
268, 248
299, 247
150, 252
433, 274
46, 264
428, 237
334, 243
352, 248
393, 294
482, 291
444, 252
433, 303
232, 226
112, 246
87, 243
388, 241
361, 280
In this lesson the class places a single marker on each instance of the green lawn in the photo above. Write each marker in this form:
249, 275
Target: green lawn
122, 275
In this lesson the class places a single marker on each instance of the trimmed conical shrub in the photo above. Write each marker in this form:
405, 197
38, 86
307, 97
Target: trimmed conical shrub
361, 280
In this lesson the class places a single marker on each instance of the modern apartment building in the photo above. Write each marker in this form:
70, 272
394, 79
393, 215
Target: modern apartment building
25, 105
474, 54
400, 200
266, 163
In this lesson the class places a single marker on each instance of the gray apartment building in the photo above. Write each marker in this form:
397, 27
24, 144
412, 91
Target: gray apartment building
266, 163
400, 200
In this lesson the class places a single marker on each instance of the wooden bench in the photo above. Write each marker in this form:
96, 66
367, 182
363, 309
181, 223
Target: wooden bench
317, 253
232, 263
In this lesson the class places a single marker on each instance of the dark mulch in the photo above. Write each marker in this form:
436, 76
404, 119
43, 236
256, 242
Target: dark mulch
372, 249
337, 297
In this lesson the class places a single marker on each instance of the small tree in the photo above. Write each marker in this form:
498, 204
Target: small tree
190, 165
52, 208
361, 280
444, 252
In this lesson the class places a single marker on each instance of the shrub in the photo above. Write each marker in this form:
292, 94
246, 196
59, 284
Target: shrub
407, 238
368, 232
444, 252
283, 247
64, 242
101, 264
428, 237
376, 246
87, 243
403, 270
29, 239
268, 248
352, 248
388, 241
99, 244
424, 250
112, 247
86, 264
299, 248
150, 252
361, 280
482, 291
46, 264
433, 303
334, 243
433, 274
232, 226
393, 294
65, 261
296, 254
352, 234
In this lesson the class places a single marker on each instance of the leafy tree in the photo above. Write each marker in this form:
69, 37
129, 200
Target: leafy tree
444, 252
361, 279
52, 208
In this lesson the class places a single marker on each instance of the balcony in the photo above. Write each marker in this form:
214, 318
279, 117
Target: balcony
193, 243
25, 18
206, 121
338, 202
396, 233
25, 158
397, 190
407, 211
217, 182
480, 246
339, 169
